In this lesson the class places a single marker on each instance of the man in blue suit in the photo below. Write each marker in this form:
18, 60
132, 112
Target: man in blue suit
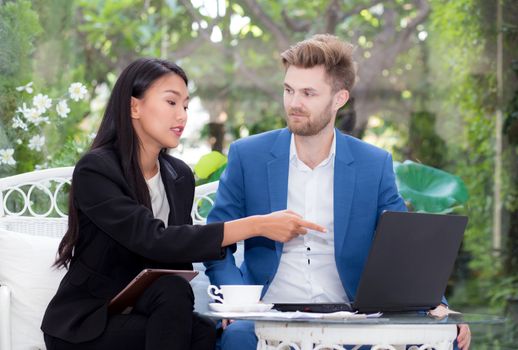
311, 168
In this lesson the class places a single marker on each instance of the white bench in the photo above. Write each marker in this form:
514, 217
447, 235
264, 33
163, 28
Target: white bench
33, 218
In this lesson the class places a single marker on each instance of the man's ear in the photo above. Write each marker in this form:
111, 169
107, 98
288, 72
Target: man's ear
135, 108
341, 98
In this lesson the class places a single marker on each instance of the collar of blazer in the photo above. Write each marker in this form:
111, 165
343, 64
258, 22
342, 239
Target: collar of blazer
167, 168
171, 179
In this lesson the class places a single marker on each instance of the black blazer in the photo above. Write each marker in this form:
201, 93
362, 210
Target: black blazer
119, 237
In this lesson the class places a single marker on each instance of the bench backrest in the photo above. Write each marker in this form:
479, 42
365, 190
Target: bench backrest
36, 202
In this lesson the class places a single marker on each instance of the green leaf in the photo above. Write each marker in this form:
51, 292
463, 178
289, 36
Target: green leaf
217, 174
429, 189
209, 164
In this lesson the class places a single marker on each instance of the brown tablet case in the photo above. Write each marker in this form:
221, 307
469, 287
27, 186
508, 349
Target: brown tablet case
124, 301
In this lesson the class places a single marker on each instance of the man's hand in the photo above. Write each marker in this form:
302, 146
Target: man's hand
464, 336
225, 322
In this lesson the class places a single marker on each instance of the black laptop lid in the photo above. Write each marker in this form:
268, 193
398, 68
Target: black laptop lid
410, 262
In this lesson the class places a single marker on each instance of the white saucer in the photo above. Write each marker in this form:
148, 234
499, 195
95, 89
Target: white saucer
260, 307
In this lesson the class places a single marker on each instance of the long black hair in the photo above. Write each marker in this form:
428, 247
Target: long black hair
116, 131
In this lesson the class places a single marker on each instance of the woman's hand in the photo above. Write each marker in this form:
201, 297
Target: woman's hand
279, 226
285, 225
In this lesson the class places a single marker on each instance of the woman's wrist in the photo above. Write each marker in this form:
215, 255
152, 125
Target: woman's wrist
256, 224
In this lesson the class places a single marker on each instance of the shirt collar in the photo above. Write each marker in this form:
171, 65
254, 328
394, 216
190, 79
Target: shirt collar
295, 158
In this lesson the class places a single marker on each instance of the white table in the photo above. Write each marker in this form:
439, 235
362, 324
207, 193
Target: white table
317, 336
389, 332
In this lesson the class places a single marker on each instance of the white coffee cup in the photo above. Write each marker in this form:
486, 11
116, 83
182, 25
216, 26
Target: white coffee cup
236, 294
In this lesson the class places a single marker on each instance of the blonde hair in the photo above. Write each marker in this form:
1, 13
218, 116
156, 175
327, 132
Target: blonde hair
328, 51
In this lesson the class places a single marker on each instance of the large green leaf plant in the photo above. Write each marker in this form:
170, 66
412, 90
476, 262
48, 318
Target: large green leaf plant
428, 189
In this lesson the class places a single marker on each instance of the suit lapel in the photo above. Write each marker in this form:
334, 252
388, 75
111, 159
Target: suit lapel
170, 178
344, 183
278, 169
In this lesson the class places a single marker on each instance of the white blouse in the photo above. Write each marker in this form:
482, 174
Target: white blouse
159, 201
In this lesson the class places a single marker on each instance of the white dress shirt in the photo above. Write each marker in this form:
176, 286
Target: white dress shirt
307, 270
159, 201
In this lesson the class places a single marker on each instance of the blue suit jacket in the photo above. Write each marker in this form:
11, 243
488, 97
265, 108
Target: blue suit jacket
256, 182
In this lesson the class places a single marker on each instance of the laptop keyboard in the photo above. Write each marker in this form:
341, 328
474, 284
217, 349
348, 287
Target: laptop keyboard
318, 307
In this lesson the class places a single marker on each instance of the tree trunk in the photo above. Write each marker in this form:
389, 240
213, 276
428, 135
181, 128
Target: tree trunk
497, 186
216, 136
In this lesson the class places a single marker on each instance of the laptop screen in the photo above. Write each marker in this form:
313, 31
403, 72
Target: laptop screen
410, 261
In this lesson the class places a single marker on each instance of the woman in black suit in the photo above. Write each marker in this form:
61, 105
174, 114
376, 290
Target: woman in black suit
123, 191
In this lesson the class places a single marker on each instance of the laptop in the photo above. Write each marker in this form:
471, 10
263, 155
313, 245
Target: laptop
408, 267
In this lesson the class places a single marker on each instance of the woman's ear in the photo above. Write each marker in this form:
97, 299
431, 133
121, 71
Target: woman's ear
135, 108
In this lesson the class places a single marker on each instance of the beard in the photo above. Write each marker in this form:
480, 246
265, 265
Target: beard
309, 127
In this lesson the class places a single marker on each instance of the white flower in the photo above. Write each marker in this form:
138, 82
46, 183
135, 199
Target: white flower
23, 109
42, 102
19, 141
6, 156
36, 142
77, 91
18, 123
33, 115
62, 109
27, 88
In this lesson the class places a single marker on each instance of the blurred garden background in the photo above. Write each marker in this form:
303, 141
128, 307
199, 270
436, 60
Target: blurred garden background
438, 85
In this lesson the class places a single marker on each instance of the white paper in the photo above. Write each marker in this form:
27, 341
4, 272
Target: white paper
340, 315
